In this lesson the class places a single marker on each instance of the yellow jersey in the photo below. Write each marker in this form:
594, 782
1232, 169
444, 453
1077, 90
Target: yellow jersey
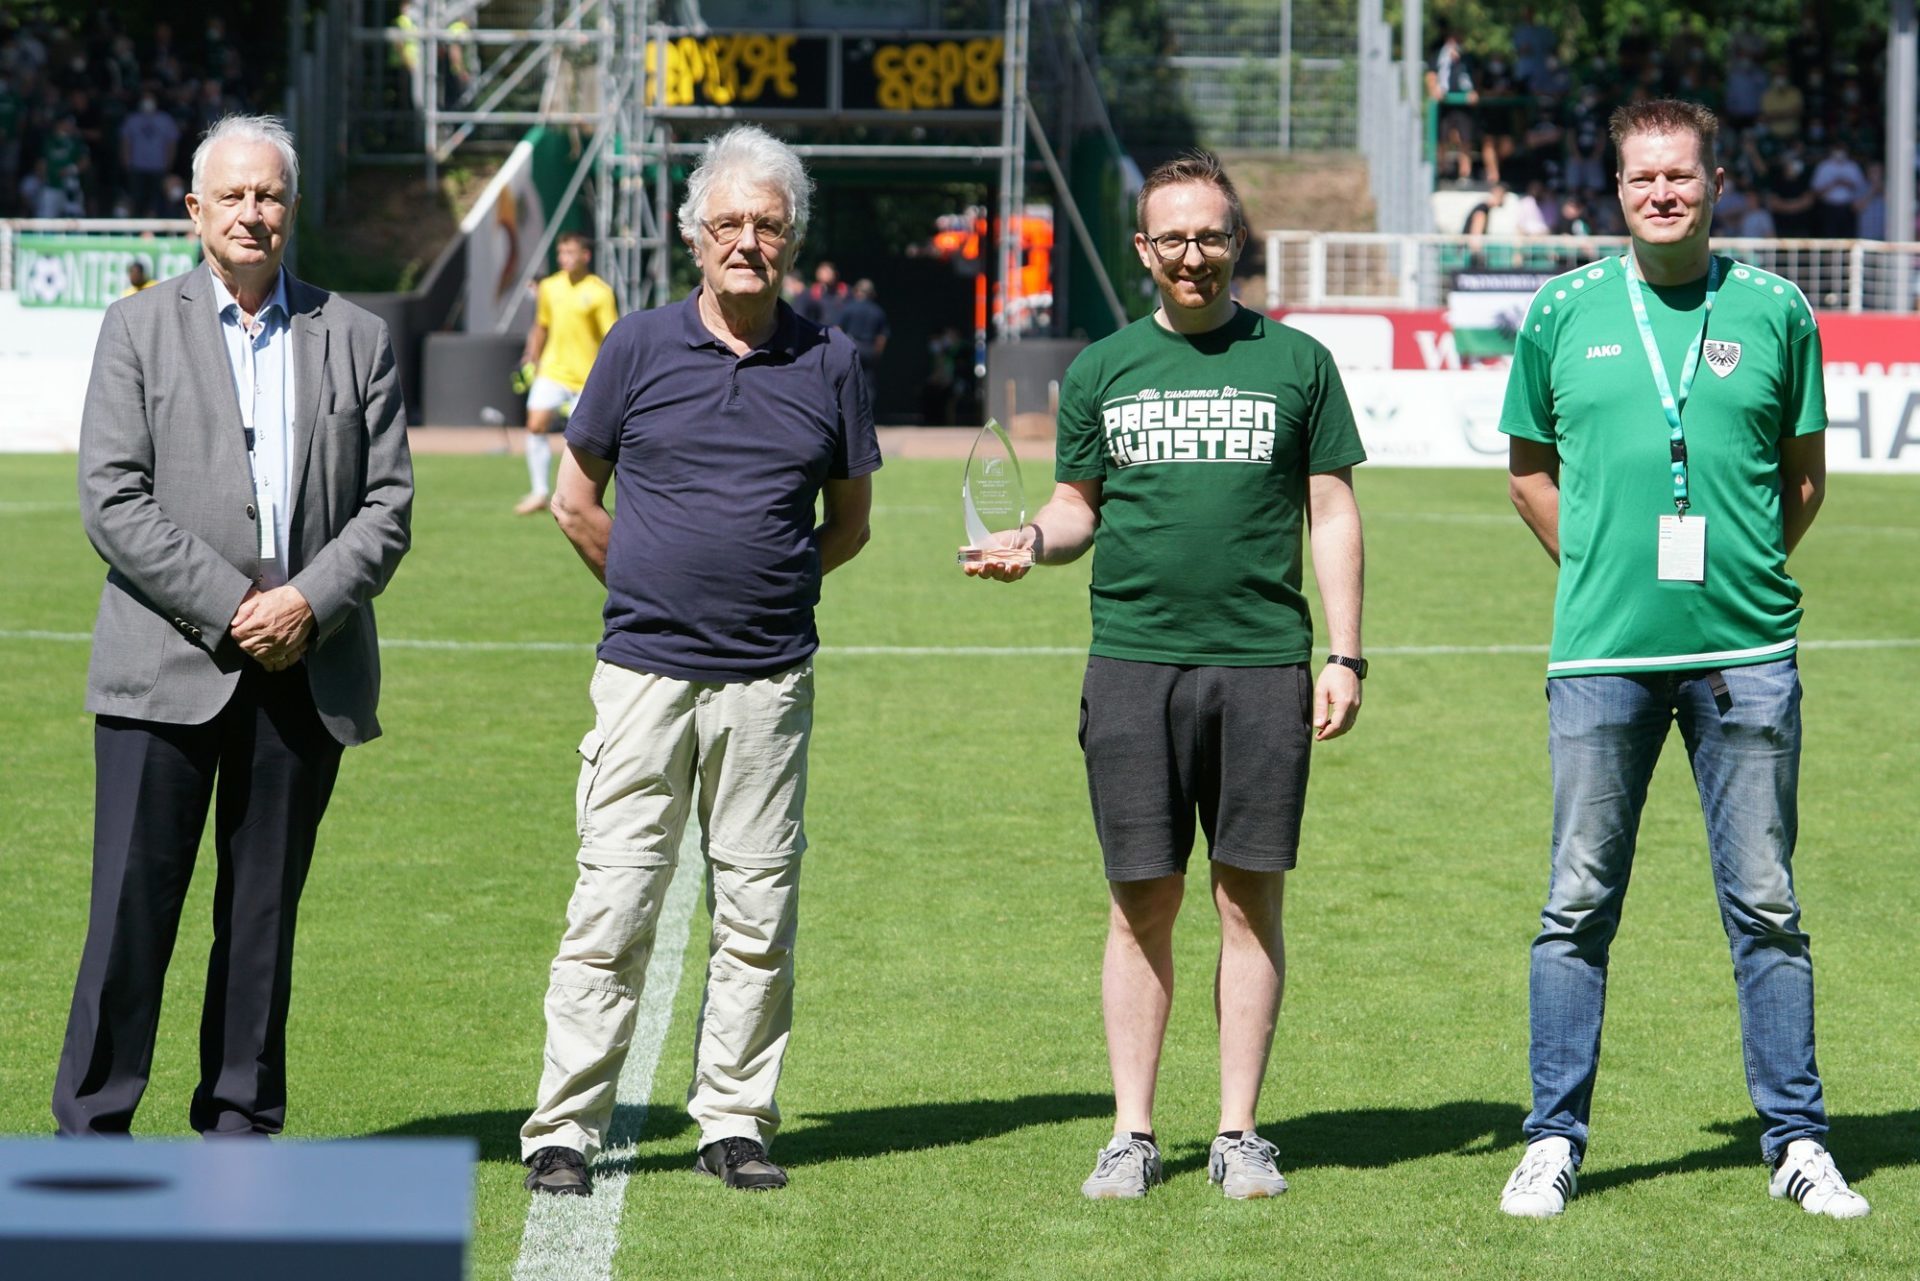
576, 318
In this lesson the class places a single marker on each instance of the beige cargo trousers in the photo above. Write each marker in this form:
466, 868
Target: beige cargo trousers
657, 744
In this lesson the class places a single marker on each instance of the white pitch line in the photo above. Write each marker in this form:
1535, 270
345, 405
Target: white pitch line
574, 1238
1870, 529
481, 646
61, 637
952, 651
1448, 518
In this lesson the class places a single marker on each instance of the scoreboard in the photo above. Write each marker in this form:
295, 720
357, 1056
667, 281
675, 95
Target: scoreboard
871, 76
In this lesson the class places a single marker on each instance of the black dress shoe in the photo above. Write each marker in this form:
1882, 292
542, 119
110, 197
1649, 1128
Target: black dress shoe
560, 1171
740, 1163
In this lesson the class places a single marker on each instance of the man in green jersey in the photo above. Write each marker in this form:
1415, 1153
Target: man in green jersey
1668, 423
1191, 445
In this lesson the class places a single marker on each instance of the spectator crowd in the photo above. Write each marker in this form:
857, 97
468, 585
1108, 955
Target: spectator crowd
1801, 137
99, 121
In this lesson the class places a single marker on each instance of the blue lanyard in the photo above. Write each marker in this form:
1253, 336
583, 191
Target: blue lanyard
1671, 404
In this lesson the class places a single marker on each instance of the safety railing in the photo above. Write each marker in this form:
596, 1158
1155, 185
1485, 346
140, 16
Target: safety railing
1357, 269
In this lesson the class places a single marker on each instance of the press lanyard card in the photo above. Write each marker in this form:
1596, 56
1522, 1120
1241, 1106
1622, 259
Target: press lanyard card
1683, 549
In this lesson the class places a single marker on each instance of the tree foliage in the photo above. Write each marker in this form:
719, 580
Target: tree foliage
1593, 28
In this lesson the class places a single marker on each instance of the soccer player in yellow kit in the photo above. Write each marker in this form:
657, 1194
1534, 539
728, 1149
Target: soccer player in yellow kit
575, 311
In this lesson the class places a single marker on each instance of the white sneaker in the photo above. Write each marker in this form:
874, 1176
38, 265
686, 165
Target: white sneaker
1126, 1168
1809, 1177
1245, 1167
1543, 1182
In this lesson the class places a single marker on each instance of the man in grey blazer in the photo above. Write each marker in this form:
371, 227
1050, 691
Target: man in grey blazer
244, 473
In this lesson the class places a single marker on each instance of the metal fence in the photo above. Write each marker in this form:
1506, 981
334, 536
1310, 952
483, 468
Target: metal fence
1340, 269
1272, 74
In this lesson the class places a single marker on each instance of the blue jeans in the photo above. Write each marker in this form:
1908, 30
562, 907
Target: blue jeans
1605, 734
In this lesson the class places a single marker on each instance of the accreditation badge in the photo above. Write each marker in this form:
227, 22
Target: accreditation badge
1683, 549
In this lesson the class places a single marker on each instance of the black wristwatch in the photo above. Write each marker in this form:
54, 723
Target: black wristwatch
1357, 665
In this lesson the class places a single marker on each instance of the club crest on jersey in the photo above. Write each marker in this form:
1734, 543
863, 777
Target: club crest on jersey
1721, 356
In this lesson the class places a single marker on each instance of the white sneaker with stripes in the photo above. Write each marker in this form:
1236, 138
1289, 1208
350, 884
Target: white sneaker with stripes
1542, 1183
1808, 1176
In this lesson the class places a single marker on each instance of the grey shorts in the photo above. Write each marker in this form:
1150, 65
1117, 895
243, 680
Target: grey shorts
1167, 744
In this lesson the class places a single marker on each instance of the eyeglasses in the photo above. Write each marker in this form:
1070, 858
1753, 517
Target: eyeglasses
727, 231
1172, 248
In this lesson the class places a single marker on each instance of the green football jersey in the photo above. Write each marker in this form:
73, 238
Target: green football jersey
1581, 382
1203, 444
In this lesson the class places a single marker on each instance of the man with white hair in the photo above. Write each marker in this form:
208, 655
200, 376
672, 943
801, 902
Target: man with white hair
244, 473
720, 420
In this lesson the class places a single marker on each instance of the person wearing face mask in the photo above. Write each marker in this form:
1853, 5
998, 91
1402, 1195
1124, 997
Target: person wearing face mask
1839, 185
148, 139
1746, 82
1790, 197
1586, 141
1782, 104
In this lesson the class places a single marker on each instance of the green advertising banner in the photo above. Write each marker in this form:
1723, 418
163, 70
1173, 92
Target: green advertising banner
74, 270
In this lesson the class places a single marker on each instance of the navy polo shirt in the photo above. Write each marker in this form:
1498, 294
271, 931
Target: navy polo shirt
713, 567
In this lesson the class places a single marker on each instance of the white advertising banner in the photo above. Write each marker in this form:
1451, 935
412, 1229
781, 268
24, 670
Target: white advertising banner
1418, 418
1407, 417
1451, 418
46, 356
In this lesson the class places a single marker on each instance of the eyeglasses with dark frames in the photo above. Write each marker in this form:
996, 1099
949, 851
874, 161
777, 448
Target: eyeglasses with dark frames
1172, 248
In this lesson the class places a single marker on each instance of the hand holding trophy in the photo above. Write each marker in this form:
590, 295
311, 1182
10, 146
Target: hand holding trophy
993, 505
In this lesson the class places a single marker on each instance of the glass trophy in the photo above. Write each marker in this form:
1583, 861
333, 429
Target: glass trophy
991, 498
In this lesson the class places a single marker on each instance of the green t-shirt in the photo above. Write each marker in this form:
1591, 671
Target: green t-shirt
60, 152
1581, 383
1203, 444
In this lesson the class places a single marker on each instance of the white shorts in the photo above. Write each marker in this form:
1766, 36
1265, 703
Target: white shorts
548, 394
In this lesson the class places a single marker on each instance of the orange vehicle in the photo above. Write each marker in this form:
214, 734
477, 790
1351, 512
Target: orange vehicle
966, 240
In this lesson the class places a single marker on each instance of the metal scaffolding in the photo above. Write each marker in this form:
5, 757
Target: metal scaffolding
428, 77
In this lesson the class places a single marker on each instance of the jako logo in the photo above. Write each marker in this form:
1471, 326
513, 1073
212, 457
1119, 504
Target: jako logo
1609, 349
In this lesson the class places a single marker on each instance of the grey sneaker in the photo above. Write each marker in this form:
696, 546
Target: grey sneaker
559, 1172
1126, 1168
1244, 1167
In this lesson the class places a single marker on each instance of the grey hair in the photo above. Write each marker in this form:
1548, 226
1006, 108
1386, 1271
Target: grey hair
749, 155
268, 129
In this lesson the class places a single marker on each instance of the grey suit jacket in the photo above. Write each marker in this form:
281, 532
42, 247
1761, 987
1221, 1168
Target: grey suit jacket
166, 495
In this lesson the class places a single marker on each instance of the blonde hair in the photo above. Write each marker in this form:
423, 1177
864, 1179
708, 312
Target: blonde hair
1666, 116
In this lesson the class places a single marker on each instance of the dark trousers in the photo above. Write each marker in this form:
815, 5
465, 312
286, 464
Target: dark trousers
266, 765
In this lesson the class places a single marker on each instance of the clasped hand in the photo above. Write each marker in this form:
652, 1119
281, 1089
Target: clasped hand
273, 627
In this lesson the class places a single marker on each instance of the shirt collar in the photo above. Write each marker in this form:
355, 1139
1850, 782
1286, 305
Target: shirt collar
786, 337
223, 297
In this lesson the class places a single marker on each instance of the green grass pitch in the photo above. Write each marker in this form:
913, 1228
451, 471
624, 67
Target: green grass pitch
947, 1088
